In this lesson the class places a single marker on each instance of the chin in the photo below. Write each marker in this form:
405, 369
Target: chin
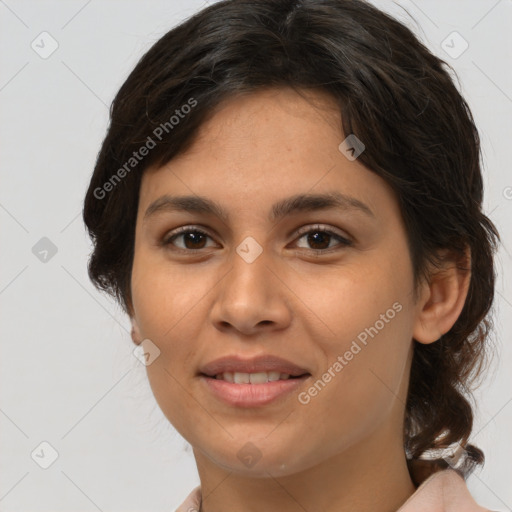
259, 459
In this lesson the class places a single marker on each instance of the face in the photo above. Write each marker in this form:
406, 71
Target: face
326, 288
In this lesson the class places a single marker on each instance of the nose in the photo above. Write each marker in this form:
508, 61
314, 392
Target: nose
252, 296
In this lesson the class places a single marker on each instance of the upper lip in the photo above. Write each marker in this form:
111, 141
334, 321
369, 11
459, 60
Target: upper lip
264, 363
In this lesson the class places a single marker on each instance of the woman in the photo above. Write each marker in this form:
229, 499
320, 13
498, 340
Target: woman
288, 205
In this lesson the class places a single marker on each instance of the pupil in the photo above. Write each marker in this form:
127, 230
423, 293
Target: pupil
311, 239
193, 237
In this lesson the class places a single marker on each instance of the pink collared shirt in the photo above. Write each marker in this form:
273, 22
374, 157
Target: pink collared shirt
444, 491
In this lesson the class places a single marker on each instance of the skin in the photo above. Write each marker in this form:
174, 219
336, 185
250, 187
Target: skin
291, 302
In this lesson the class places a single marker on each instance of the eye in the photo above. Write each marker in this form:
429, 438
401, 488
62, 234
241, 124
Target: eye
320, 238
192, 237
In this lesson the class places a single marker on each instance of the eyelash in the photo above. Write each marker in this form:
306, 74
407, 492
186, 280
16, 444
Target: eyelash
343, 242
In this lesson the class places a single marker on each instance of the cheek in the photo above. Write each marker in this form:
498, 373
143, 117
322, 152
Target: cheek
162, 294
363, 383
367, 319
347, 299
166, 304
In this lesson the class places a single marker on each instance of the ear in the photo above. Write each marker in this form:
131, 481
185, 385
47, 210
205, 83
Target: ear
136, 336
442, 298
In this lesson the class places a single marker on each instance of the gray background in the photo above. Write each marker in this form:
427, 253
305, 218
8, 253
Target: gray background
68, 376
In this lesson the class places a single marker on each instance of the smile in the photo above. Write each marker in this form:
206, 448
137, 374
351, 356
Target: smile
252, 389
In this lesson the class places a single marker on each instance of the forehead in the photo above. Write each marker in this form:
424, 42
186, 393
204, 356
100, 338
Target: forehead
280, 115
265, 145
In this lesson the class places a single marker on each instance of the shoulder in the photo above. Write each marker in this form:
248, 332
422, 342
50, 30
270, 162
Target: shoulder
444, 491
192, 502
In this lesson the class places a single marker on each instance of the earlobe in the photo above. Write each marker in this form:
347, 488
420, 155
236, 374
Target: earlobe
135, 334
442, 300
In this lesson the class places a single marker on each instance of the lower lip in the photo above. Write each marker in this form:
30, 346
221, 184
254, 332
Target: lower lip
251, 395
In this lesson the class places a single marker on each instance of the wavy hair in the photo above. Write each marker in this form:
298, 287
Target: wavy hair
393, 94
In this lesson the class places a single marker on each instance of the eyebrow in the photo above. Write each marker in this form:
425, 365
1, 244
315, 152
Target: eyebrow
284, 207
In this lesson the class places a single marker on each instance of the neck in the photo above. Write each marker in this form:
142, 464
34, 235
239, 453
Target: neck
372, 476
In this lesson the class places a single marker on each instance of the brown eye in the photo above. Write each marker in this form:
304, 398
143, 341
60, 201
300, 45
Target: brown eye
192, 238
319, 239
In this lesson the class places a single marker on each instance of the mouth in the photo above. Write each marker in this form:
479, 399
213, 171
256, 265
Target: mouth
255, 390
251, 382
253, 378
260, 369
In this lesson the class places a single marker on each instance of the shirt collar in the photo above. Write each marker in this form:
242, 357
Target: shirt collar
444, 491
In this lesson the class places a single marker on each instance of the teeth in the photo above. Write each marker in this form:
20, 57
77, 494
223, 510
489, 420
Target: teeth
241, 378
252, 378
258, 378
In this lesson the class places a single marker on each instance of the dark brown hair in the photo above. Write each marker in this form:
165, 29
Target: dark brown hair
393, 94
